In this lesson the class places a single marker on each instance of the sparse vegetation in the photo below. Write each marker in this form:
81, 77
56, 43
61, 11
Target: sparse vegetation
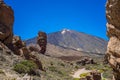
25, 66
101, 67
84, 75
2, 72
76, 79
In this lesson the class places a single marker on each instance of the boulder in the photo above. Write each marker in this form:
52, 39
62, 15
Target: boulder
6, 23
85, 60
96, 75
113, 32
89, 77
18, 45
33, 48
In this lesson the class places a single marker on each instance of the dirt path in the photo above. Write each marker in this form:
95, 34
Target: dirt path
80, 71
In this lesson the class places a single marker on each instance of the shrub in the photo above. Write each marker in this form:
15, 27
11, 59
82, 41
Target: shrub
83, 75
52, 68
26, 66
2, 72
76, 79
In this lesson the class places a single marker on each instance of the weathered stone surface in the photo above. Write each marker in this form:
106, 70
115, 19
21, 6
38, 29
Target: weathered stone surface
113, 32
34, 48
96, 75
7, 41
34, 58
86, 60
18, 44
19, 48
6, 23
42, 41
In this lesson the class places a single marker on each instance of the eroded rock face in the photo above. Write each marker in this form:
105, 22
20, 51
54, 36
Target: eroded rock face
6, 36
85, 61
6, 23
18, 46
96, 75
34, 48
42, 41
113, 32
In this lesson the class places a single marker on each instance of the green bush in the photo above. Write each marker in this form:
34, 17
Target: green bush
52, 68
83, 75
76, 79
26, 66
2, 72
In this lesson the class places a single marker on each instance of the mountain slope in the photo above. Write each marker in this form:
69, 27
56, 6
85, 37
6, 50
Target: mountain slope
75, 40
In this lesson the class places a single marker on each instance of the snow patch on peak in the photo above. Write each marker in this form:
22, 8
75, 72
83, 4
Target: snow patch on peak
64, 31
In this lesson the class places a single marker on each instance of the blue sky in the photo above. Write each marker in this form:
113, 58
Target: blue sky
31, 16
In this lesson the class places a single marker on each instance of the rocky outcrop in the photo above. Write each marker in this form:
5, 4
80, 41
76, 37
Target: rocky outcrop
34, 48
113, 32
6, 23
42, 41
96, 75
6, 36
19, 48
85, 61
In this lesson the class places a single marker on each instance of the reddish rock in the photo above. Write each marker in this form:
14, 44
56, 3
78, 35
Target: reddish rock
33, 48
86, 60
96, 75
89, 77
18, 44
42, 41
6, 23
34, 58
15, 43
20, 49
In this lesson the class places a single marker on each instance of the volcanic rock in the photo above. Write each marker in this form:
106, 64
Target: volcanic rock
18, 44
19, 48
6, 23
113, 32
96, 75
34, 48
42, 41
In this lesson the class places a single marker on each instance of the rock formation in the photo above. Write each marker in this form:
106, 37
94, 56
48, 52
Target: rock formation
19, 46
96, 75
85, 60
113, 32
14, 43
6, 23
42, 41
34, 48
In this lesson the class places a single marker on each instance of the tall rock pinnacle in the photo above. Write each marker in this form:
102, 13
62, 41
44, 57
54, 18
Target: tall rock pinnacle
113, 32
6, 23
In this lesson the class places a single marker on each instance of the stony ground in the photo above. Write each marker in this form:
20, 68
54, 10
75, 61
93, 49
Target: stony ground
55, 69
